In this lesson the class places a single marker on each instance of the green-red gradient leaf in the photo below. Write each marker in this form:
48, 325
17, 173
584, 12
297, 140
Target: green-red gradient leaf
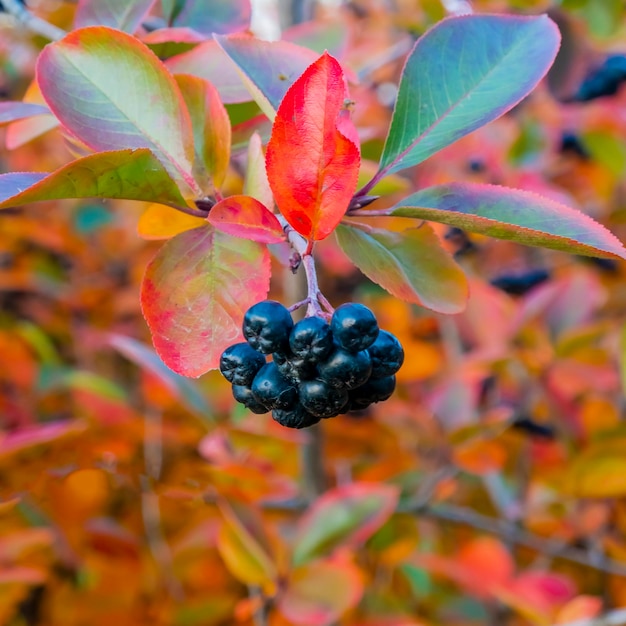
211, 128
345, 516
11, 111
125, 15
195, 292
512, 214
477, 68
312, 166
319, 593
244, 216
123, 174
267, 68
411, 264
112, 92
218, 16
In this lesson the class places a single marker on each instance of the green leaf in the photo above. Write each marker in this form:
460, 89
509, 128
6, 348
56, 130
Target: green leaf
512, 214
125, 174
461, 74
218, 16
125, 15
410, 264
195, 293
113, 93
344, 516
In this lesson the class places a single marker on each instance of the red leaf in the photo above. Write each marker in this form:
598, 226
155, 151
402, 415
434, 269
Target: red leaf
243, 216
312, 159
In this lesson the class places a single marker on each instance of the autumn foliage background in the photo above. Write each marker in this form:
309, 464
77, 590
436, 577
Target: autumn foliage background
488, 490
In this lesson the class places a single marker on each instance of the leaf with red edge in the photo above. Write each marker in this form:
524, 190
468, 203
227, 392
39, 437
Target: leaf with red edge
312, 165
267, 68
255, 183
123, 174
511, 214
211, 130
11, 111
245, 545
112, 92
319, 593
410, 264
168, 42
125, 15
244, 216
195, 292
344, 516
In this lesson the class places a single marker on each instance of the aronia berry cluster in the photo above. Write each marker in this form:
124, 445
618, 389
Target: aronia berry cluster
318, 370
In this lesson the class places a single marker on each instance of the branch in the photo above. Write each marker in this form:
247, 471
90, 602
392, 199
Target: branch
614, 618
32, 22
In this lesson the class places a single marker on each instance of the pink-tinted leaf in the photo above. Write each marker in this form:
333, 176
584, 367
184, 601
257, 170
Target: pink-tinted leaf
11, 111
195, 292
124, 174
125, 15
17, 441
319, 593
268, 68
211, 130
411, 264
345, 516
320, 36
245, 546
244, 216
222, 16
256, 183
143, 356
312, 166
22, 575
210, 62
112, 92
168, 42
512, 214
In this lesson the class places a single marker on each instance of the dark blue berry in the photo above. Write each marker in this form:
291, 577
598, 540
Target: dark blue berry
322, 400
374, 390
346, 369
297, 417
272, 389
243, 394
239, 364
354, 327
387, 355
311, 339
266, 327
295, 368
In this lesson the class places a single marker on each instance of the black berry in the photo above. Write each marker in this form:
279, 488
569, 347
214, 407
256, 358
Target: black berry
346, 369
354, 327
295, 368
266, 327
272, 389
243, 394
298, 417
387, 355
239, 364
374, 390
322, 400
311, 339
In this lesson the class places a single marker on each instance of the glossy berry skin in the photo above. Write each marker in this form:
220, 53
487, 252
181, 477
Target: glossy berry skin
298, 417
322, 400
387, 355
354, 327
346, 369
266, 327
243, 394
239, 364
311, 339
295, 369
374, 390
272, 389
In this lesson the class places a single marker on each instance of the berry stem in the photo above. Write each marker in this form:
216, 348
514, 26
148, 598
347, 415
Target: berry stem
314, 307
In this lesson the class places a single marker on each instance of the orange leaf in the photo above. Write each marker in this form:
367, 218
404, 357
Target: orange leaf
162, 222
312, 158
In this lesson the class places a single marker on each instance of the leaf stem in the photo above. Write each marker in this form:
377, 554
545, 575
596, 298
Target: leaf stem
32, 22
189, 211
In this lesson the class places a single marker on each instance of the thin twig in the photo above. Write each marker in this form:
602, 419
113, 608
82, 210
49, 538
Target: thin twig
32, 22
